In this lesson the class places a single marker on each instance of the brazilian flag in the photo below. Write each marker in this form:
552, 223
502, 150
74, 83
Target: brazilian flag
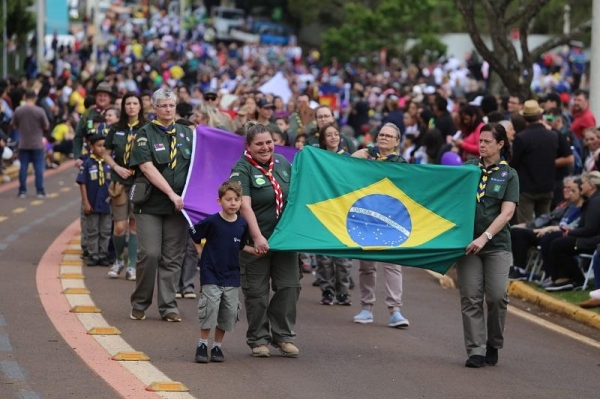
411, 215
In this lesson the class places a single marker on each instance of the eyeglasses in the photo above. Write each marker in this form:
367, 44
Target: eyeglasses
324, 116
165, 105
387, 136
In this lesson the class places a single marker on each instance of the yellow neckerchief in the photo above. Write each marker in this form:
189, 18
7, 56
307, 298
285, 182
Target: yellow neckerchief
100, 161
485, 173
380, 157
171, 131
129, 145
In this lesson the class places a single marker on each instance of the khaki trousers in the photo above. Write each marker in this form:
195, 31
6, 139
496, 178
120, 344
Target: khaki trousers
367, 280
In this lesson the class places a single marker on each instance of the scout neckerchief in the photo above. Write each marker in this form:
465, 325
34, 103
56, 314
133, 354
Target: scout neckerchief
380, 157
100, 168
129, 145
485, 173
274, 183
340, 150
170, 130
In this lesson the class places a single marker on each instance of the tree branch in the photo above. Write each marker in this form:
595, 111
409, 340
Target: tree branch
525, 13
560, 40
466, 8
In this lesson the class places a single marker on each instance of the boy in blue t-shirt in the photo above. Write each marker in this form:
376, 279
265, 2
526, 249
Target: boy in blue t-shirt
94, 179
226, 233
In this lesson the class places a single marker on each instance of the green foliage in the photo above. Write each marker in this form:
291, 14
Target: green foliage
366, 31
20, 21
428, 46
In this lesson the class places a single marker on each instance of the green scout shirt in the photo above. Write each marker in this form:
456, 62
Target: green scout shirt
153, 145
502, 186
372, 151
257, 186
116, 141
85, 123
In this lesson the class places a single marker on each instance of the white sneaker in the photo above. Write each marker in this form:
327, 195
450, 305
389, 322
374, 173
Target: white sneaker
189, 295
595, 294
116, 269
178, 295
130, 274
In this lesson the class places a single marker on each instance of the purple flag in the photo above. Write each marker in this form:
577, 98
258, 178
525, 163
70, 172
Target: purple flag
213, 155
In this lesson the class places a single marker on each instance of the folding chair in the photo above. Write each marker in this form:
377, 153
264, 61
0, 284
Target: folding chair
535, 265
589, 259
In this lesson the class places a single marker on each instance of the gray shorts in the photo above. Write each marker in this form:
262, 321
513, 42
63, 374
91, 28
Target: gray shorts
218, 307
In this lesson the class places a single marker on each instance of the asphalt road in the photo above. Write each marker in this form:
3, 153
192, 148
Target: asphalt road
338, 359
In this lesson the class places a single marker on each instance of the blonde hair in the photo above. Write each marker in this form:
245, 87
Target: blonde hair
209, 114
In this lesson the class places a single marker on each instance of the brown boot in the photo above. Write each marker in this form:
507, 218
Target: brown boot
590, 304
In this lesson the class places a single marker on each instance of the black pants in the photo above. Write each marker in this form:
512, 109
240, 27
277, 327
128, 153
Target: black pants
522, 240
562, 262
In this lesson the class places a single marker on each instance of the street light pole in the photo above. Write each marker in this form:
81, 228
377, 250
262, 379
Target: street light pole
40, 33
567, 19
4, 40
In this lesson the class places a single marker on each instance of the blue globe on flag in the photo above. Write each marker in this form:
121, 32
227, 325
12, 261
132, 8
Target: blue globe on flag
378, 220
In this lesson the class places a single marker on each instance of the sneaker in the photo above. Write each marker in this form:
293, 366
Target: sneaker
189, 295
491, 356
137, 314
397, 320
103, 262
316, 283
85, 254
261, 351
172, 317
595, 294
546, 282
306, 268
475, 362
130, 274
22, 195
343, 300
6, 178
518, 274
216, 355
364, 317
351, 285
287, 349
178, 295
201, 354
116, 269
41, 195
566, 285
327, 298
92, 261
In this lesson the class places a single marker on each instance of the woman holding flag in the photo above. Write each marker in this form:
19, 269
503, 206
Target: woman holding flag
483, 270
386, 150
334, 276
118, 144
265, 180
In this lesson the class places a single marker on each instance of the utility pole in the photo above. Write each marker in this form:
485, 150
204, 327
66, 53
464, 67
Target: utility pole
567, 19
181, 18
595, 60
40, 33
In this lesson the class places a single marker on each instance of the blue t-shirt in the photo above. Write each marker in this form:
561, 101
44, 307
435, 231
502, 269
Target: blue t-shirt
89, 175
219, 262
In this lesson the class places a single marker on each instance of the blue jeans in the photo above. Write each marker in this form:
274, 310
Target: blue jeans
36, 157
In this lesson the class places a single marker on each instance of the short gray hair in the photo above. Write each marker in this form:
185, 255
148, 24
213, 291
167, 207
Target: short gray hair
392, 126
163, 94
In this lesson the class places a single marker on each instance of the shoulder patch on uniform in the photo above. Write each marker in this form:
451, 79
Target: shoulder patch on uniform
141, 141
234, 174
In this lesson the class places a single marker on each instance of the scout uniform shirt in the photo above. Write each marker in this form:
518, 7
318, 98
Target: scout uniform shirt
96, 183
116, 141
257, 186
85, 124
153, 145
502, 185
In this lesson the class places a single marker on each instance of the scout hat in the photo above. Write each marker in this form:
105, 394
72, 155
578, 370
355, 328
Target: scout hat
531, 108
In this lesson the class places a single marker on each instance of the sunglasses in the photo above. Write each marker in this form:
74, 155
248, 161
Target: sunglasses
210, 97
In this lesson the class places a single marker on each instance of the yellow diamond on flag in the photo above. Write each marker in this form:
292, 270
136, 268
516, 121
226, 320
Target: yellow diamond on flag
379, 216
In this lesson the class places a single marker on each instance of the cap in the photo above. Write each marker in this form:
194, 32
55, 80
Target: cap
263, 103
184, 110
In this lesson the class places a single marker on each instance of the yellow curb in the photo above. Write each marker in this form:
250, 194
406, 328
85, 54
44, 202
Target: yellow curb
76, 291
104, 331
85, 309
72, 276
522, 290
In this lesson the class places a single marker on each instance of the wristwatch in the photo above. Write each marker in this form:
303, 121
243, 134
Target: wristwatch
488, 235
